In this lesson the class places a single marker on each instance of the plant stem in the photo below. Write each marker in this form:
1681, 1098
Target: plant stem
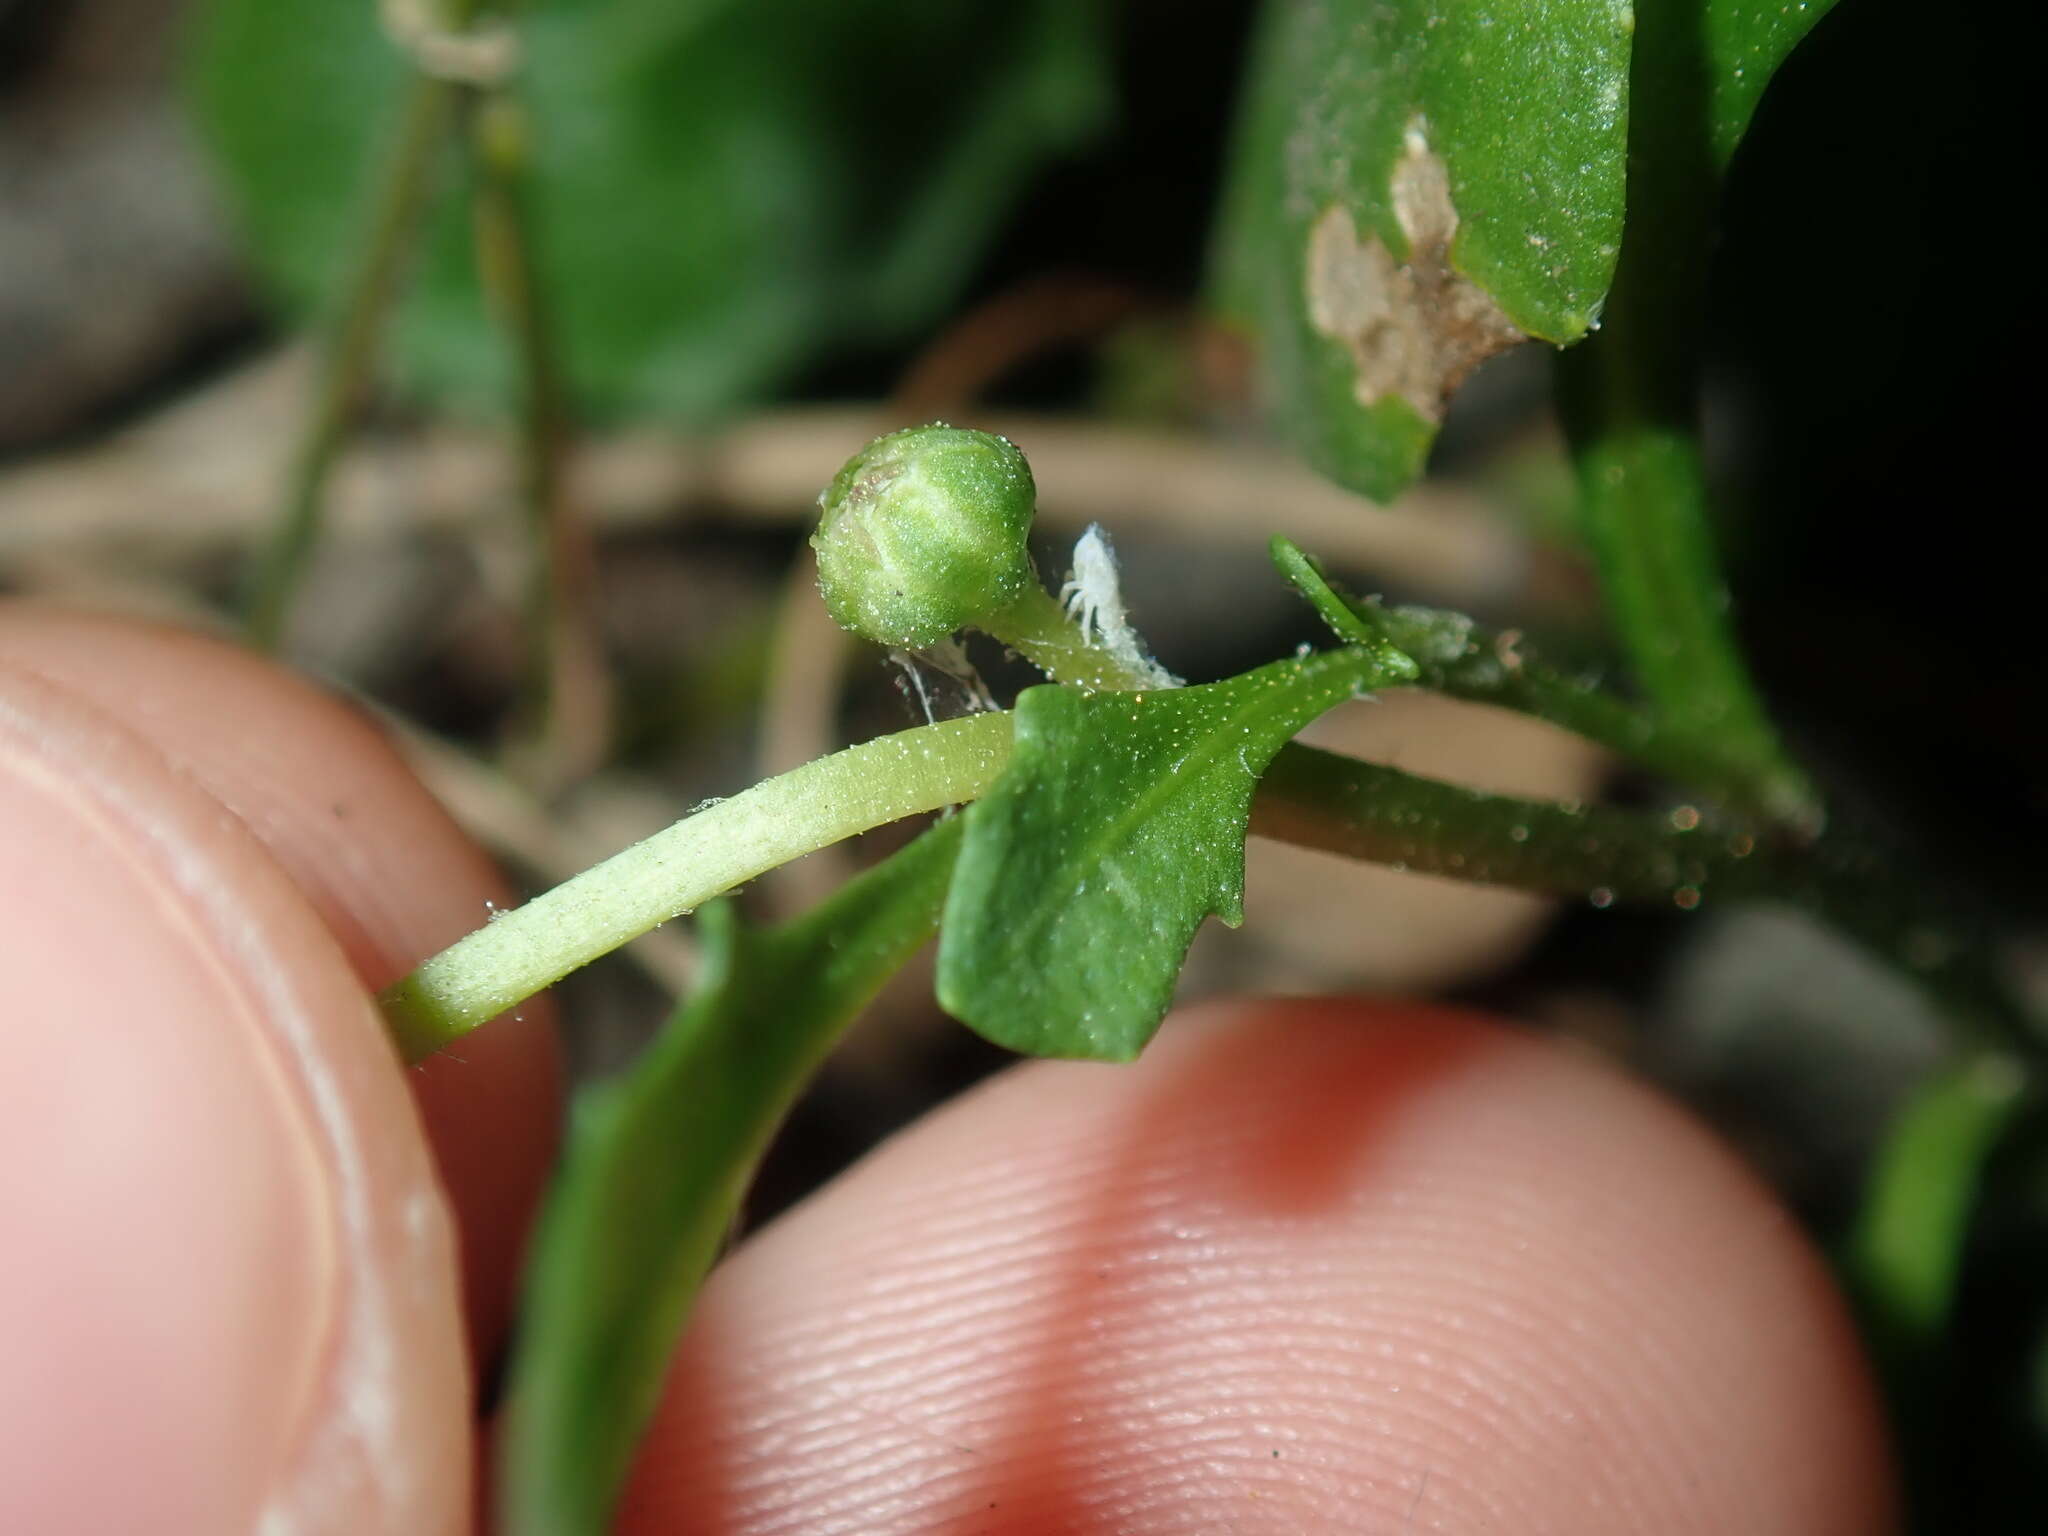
506, 270
1037, 628
1903, 1259
1311, 798
1318, 799
657, 1162
1455, 656
1630, 406
566, 701
531, 947
1609, 855
1643, 506
520, 952
1460, 658
347, 359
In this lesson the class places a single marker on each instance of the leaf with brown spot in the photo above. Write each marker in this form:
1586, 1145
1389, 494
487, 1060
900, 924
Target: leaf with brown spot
1418, 184
1414, 328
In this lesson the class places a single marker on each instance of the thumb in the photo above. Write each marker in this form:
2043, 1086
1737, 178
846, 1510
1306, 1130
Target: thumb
229, 1299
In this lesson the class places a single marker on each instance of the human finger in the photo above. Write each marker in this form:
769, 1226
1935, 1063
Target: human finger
228, 1301
386, 869
1306, 1267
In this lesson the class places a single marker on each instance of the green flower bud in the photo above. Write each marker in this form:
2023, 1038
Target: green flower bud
923, 532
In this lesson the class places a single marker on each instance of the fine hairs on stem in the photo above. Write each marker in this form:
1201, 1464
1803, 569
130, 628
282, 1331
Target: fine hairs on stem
683, 866
923, 533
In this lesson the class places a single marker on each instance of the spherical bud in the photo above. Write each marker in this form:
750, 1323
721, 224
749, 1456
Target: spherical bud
923, 532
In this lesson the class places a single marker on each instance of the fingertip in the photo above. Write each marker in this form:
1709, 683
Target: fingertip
1307, 1266
386, 869
230, 1297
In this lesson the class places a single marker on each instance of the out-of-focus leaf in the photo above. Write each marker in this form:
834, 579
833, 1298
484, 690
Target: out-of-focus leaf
1816, 1040
1746, 41
656, 1166
725, 190
1416, 185
1906, 1252
1118, 826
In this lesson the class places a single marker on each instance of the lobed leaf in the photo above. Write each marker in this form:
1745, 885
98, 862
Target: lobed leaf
1118, 826
656, 1166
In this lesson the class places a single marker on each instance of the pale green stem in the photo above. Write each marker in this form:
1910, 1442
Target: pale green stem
1037, 628
520, 952
531, 947
1308, 797
1311, 798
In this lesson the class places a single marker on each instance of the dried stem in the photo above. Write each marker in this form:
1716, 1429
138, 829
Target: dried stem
349, 357
568, 704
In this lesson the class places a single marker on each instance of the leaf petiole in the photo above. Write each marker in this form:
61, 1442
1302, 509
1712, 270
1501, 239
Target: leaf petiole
520, 952
1464, 660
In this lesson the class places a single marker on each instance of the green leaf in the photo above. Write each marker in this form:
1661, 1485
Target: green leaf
724, 192
1746, 41
1417, 184
1906, 1252
1118, 826
1629, 398
657, 1163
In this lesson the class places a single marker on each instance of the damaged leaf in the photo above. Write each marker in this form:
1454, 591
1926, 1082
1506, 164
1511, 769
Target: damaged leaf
1118, 826
1417, 185
1414, 328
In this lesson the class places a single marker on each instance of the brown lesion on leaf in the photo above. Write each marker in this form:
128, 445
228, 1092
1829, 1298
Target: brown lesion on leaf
1414, 328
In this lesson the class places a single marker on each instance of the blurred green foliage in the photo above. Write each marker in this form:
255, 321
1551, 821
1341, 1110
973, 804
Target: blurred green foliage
726, 191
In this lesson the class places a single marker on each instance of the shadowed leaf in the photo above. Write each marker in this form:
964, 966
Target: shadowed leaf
657, 1163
